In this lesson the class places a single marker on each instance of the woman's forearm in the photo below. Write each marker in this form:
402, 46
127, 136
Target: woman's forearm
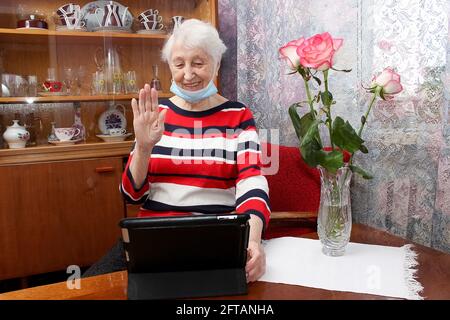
139, 165
256, 228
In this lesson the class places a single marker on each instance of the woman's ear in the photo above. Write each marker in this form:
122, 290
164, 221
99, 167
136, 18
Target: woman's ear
217, 69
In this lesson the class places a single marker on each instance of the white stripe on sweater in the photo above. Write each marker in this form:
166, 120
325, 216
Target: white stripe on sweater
250, 183
183, 195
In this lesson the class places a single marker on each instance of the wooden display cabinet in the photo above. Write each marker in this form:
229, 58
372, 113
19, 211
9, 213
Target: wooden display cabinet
58, 207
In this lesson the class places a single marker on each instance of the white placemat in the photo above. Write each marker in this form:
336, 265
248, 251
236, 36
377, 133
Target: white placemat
373, 269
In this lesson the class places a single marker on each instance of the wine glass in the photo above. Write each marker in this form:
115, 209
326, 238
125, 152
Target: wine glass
81, 74
69, 78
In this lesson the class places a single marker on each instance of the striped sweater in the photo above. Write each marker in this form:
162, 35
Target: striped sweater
206, 162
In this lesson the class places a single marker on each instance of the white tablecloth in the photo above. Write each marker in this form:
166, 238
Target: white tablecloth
373, 269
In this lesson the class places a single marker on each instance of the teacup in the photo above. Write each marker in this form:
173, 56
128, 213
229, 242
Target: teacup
177, 21
144, 16
152, 25
117, 132
65, 134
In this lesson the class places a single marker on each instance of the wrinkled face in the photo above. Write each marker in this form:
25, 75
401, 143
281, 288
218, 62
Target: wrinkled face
192, 69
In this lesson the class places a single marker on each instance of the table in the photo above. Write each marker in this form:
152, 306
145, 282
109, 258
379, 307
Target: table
433, 274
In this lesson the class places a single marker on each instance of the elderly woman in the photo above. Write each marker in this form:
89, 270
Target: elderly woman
197, 152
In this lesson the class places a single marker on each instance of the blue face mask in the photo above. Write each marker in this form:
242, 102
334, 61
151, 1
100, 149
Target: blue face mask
194, 96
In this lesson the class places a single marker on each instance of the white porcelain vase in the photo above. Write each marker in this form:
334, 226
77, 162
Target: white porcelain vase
16, 136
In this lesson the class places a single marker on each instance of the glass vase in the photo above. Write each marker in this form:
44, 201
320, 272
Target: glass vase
334, 222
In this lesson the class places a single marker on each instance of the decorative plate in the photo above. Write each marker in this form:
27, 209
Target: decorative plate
112, 119
88, 12
109, 138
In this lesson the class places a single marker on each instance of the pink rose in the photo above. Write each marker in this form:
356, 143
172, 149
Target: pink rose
317, 52
389, 81
289, 53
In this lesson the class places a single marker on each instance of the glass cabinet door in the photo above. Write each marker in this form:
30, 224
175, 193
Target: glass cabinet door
69, 72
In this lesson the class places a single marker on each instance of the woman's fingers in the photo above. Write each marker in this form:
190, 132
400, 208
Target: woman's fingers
148, 98
142, 101
155, 102
161, 118
134, 106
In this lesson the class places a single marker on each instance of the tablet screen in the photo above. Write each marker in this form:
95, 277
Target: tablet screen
185, 243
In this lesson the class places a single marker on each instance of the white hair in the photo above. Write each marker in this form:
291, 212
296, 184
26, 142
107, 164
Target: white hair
194, 33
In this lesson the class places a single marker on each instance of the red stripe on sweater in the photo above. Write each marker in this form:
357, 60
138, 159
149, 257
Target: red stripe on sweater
194, 182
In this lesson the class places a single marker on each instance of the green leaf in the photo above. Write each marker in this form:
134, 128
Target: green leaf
363, 149
344, 136
327, 98
344, 70
310, 146
305, 123
312, 133
332, 160
312, 153
317, 80
361, 172
363, 120
295, 118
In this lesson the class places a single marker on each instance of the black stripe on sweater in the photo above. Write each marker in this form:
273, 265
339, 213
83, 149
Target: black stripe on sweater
199, 176
254, 193
176, 152
248, 145
213, 209
211, 130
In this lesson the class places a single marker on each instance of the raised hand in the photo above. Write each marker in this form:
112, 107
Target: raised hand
148, 122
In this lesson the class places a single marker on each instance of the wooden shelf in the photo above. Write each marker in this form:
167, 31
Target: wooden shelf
49, 152
36, 36
30, 100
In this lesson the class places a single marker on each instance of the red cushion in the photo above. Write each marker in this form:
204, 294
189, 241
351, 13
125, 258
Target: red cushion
295, 187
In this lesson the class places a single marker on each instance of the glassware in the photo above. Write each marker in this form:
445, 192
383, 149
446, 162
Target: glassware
98, 83
81, 74
156, 83
32, 86
334, 222
52, 135
78, 124
69, 78
117, 83
130, 82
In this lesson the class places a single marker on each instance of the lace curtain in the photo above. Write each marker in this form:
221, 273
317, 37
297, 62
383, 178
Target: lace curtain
408, 139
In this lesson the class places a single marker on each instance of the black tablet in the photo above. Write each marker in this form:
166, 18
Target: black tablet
188, 256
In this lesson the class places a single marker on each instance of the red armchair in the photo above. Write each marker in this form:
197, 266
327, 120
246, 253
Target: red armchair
294, 192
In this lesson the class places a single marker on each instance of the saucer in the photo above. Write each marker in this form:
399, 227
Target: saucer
64, 143
109, 138
64, 28
51, 94
145, 31
112, 29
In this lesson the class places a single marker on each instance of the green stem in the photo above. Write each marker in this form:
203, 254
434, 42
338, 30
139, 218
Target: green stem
310, 100
368, 111
328, 109
377, 92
